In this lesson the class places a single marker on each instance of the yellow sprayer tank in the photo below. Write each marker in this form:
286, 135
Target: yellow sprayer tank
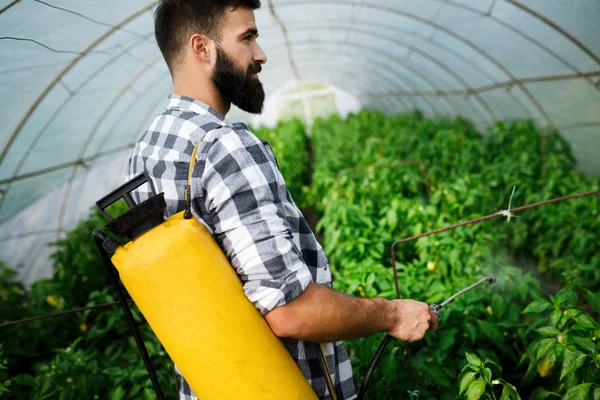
194, 301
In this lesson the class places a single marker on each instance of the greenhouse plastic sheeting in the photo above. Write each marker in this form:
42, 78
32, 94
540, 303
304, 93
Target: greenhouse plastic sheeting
81, 80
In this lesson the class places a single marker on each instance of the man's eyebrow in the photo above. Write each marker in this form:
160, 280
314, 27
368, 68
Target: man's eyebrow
252, 31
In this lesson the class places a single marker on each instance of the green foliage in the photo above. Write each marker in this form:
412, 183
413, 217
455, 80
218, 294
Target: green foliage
377, 179
564, 350
476, 381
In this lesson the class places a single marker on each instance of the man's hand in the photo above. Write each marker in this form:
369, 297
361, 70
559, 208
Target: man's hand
414, 318
321, 314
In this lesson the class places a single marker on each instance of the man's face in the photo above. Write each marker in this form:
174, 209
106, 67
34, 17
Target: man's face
238, 62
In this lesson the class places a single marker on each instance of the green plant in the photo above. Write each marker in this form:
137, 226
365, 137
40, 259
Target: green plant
71, 372
564, 350
4, 382
476, 381
13, 296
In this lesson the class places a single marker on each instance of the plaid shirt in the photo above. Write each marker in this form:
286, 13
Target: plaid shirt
239, 193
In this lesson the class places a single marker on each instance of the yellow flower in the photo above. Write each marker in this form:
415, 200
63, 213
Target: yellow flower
431, 266
83, 327
53, 300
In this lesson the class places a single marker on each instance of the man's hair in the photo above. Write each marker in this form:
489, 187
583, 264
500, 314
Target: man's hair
176, 20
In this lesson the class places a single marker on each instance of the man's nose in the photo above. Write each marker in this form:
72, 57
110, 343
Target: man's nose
259, 55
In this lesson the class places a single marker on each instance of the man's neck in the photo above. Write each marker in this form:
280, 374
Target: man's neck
206, 92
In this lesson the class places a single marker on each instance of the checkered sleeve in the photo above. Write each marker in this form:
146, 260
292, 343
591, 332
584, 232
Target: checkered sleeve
237, 184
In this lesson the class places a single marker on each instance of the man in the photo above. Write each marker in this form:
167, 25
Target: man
211, 50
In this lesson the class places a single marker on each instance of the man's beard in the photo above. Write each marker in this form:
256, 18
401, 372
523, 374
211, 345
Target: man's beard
237, 86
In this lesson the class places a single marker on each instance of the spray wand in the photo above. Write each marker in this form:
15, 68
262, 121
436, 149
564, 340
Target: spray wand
435, 308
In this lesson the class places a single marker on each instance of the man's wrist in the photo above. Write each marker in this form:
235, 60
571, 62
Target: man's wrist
387, 314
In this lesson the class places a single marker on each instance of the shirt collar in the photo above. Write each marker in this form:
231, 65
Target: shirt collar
179, 102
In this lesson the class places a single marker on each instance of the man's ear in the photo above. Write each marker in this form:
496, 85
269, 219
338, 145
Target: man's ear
200, 46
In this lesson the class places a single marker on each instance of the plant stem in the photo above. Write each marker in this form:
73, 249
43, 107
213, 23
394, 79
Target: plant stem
488, 383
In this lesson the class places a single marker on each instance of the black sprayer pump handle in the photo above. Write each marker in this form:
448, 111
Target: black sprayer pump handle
139, 218
124, 192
